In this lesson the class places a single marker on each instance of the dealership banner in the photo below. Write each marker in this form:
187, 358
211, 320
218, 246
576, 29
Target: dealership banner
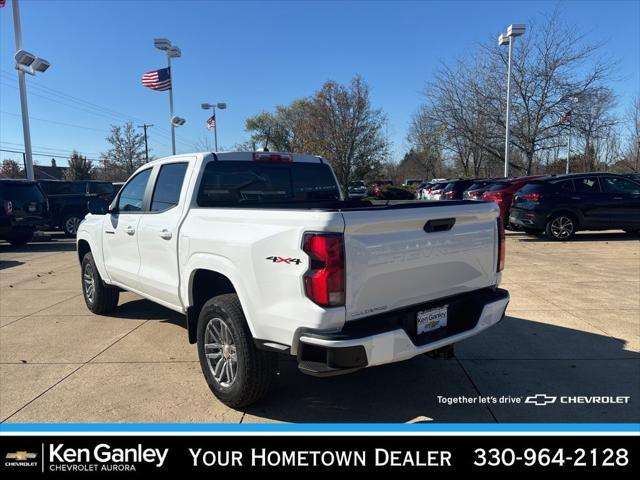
57, 455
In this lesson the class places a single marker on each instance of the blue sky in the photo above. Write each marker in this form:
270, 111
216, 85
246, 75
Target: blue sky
254, 56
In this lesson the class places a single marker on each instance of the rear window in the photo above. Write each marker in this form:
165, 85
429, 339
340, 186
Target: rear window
532, 187
498, 186
101, 188
16, 192
477, 185
246, 183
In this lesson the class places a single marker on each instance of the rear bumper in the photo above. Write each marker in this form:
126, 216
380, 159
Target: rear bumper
392, 337
528, 219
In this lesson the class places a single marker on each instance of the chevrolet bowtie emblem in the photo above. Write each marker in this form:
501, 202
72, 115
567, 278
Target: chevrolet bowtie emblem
540, 399
21, 455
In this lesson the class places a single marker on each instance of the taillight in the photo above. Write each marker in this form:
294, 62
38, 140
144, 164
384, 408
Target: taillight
451, 193
493, 196
474, 193
534, 197
272, 157
324, 282
501, 245
8, 207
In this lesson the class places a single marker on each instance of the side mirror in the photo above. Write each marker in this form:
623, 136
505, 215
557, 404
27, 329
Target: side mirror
96, 206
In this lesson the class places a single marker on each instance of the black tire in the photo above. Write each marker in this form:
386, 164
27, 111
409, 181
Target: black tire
561, 227
103, 298
255, 370
70, 224
20, 239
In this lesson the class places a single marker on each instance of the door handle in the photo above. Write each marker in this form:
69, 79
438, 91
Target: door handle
439, 225
166, 234
617, 198
576, 198
130, 230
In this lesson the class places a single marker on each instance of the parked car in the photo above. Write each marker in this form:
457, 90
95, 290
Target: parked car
502, 193
435, 193
23, 210
375, 187
420, 189
254, 248
357, 190
562, 205
412, 182
68, 201
455, 189
477, 189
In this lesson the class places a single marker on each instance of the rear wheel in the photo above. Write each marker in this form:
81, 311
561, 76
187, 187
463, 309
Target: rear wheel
236, 371
560, 227
99, 297
20, 239
70, 224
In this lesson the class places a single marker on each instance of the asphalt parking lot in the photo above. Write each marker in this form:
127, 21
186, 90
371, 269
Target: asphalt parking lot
573, 329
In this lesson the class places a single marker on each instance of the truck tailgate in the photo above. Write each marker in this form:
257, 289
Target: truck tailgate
406, 256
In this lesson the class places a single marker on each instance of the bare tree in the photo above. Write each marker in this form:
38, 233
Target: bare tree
11, 169
337, 122
79, 168
126, 153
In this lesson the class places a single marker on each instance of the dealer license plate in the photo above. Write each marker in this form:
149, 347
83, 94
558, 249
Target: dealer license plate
432, 319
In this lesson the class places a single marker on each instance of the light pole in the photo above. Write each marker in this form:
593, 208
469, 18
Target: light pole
213, 106
25, 63
513, 31
172, 52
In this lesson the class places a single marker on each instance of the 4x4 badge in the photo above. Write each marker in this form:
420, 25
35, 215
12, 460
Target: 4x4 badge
274, 259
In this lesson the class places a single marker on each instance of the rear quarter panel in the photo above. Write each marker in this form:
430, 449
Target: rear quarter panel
241, 244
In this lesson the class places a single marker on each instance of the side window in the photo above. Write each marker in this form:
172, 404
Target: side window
587, 185
619, 185
566, 186
166, 193
132, 196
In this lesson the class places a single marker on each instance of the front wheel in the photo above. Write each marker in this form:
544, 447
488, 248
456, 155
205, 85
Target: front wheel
561, 227
99, 297
236, 371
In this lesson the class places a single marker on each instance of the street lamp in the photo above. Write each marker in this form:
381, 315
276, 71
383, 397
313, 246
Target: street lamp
513, 31
212, 107
25, 63
165, 45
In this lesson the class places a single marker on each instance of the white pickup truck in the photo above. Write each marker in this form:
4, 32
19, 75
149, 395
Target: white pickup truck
263, 255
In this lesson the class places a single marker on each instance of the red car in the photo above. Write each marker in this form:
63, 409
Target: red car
502, 193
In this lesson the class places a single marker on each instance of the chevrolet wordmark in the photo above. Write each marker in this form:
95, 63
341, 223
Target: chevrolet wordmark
264, 255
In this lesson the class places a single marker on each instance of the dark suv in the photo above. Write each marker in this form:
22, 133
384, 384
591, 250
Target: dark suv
68, 201
23, 210
562, 205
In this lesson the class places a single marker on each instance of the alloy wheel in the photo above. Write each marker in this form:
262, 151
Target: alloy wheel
562, 227
72, 224
89, 282
220, 351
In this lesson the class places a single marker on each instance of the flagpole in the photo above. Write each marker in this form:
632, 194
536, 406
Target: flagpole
173, 127
568, 147
215, 129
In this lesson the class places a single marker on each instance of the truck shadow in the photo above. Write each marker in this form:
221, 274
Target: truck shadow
57, 245
518, 357
579, 237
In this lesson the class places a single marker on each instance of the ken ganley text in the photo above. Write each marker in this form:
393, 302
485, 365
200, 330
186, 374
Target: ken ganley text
262, 457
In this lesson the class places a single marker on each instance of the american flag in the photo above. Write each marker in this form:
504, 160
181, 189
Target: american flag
566, 118
157, 79
211, 123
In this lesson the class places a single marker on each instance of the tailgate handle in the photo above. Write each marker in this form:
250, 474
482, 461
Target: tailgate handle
439, 225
